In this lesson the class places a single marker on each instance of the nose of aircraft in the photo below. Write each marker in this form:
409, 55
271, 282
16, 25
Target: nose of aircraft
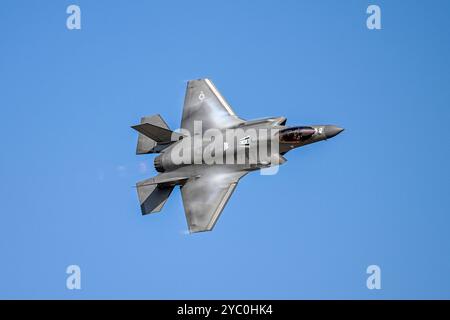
332, 131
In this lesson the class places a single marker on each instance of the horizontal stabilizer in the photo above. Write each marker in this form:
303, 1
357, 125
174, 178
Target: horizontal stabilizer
152, 197
158, 134
154, 135
164, 180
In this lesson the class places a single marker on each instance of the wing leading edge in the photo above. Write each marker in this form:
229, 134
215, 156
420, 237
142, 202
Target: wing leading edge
205, 197
203, 102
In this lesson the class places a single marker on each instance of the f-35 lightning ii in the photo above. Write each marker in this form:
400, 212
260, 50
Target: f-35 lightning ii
184, 157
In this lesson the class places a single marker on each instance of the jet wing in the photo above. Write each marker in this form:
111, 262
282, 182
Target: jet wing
203, 102
205, 197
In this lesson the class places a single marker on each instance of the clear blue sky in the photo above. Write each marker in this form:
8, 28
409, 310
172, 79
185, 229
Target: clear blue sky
376, 194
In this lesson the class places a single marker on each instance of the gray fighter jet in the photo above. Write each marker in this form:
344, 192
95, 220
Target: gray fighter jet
206, 186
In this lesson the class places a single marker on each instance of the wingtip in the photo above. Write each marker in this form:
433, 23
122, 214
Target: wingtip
198, 229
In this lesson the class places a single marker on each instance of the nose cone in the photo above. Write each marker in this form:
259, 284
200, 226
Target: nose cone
332, 131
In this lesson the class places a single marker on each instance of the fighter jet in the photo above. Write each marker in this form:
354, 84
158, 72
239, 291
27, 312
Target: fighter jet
206, 186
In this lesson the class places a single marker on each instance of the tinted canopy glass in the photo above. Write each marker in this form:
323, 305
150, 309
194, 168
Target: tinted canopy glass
296, 134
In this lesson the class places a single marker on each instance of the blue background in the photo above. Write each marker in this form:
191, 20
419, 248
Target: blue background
376, 194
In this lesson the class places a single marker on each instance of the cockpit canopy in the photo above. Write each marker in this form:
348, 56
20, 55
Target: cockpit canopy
296, 134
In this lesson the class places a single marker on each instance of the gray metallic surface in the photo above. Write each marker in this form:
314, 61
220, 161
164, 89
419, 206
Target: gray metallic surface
206, 189
203, 102
152, 197
145, 144
332, 131
205, 197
